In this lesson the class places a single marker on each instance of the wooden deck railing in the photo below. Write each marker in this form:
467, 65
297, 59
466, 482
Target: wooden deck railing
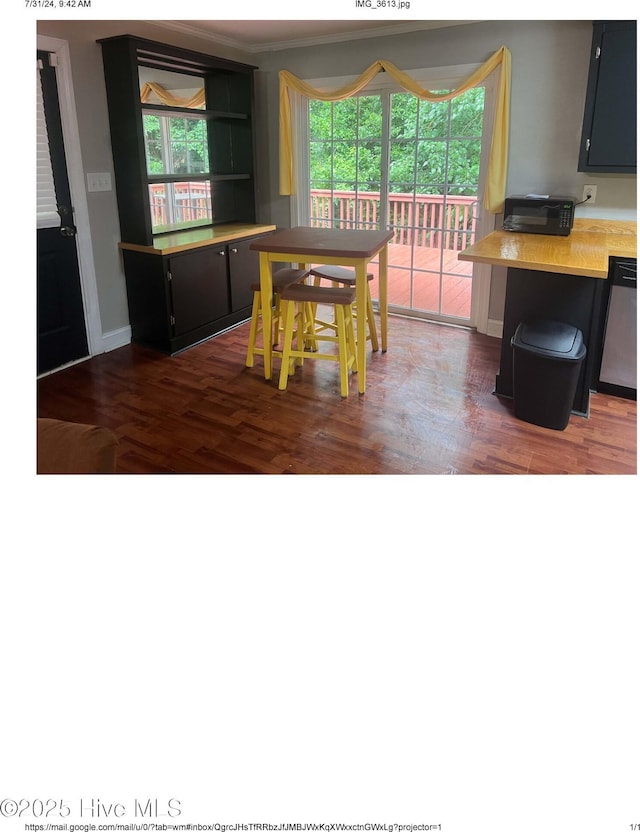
425, 220
191, 203
421, 219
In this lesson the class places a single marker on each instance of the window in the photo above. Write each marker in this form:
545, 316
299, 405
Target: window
386, 159
175, 144
176, 149
345, 162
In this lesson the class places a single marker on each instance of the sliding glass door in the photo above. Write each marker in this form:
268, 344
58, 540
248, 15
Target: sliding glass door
391, 160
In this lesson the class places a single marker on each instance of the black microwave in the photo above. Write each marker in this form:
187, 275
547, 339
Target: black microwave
539, 215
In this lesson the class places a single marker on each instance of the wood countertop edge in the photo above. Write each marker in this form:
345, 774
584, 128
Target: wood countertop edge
215, 239
534, 266
611, 238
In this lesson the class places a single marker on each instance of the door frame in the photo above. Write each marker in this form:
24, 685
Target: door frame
75, 171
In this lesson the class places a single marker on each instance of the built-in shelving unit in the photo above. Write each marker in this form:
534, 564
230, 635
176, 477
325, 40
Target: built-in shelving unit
183, 155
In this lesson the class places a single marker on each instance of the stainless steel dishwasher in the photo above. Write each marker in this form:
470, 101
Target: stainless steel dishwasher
618, 368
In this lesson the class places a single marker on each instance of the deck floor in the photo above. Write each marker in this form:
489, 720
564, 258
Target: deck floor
452, 298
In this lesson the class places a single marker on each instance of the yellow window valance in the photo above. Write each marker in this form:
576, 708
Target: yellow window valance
497, 173
196, 101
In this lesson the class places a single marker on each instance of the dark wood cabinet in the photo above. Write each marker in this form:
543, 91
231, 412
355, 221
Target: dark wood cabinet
609, 143
199, 289
183, 153
244, 271
179, 298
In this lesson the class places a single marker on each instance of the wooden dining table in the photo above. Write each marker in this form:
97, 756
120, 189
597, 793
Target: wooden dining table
308, 246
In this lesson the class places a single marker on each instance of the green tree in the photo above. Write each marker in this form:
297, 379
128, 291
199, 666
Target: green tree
187, 139
435, 145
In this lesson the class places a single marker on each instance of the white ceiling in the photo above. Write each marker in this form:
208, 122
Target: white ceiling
269, 35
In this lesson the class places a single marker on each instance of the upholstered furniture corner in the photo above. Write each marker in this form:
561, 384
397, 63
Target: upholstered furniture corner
73, 448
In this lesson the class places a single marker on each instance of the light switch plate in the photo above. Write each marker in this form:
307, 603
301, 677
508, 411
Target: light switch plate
98, 182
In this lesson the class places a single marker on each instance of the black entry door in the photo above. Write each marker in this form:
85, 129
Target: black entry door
62, 335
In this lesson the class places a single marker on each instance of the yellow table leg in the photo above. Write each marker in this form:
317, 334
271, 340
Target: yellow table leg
361, 323
266, 293
383, 295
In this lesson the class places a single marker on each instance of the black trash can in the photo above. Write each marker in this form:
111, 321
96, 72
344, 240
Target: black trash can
547, 357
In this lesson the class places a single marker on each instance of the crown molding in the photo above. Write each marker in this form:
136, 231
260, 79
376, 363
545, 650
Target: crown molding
294, 43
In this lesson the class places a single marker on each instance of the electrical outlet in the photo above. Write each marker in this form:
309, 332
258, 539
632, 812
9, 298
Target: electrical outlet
98, 182
589, 193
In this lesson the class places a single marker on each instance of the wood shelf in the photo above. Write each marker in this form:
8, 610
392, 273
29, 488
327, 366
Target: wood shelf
198, 237
221, 115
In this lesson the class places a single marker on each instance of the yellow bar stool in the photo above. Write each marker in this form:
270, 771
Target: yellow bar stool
306, 298
281, 279
346, 277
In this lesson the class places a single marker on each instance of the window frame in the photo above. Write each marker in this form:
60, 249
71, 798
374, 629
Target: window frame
169, 180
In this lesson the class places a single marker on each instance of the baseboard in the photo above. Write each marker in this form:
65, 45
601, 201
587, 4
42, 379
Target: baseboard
494, 328
116, 338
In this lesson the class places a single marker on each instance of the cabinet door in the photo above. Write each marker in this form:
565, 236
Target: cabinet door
609, 128
244, 270
199, 288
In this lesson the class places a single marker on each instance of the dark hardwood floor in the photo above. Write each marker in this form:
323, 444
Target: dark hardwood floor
429, 409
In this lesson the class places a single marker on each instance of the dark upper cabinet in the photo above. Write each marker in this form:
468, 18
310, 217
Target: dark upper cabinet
182, 137
608, 142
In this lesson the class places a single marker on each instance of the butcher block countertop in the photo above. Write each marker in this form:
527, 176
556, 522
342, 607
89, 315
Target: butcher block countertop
198, 237
584, 252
